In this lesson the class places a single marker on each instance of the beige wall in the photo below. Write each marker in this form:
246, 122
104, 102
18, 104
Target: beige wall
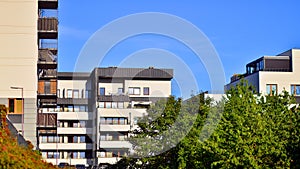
19, 50
157, 88
71, 84
18, 58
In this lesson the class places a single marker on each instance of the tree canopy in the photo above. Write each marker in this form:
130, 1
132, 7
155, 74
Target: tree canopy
13, 156
245, 130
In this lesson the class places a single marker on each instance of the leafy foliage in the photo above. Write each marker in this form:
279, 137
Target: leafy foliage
252, 131
13, 156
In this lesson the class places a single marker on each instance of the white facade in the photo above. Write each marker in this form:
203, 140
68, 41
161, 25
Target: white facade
117, 118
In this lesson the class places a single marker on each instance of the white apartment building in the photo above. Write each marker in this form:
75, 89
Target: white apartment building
273, 74
96, 111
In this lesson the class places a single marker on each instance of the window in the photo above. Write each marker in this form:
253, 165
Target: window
120, 105
75, 155
102, 154
69, 93
102, 91
81, 154
109, 121
44, 139
120, 90
44, 155
103, 138
102, 120
50, 155
114, 105
146, 90
115, 121
82, 108
75, 93
82, 139
295, 90
15, 105
101, 104
134, 91
82, 124
271, 89
58, 93
76, 108
108, 104
135, 120
122, 121
75, 139
70, 109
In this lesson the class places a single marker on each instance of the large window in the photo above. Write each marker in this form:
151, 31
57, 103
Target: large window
134, 90
120, 90
295, 90
113, 121
102, 91
69, 93
75, 93
271, 89
146, 91
15, 105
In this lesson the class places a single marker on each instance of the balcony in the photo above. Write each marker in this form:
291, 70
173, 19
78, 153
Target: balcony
115, 144
47, 103
109, 160
69, 161
48, 28
65, 146
47, 59
47, 120
47, 89
48, 4
73, 130
73, 116
113, 98
119, 128
47, 73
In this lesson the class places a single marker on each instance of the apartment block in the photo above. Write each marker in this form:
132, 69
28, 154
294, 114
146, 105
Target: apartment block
273, 74
95, 112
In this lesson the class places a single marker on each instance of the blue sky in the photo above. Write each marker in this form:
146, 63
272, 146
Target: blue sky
240, 31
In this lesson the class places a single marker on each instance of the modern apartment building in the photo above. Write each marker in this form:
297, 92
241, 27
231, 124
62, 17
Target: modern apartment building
95, 112
26, 28
273, 74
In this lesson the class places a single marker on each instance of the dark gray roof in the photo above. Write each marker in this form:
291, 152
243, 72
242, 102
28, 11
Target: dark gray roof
73, 75
135, 73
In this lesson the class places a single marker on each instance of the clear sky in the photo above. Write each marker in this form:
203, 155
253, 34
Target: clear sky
240, 31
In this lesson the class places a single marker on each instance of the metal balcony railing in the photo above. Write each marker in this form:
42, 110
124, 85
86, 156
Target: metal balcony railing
48, 24
47, 120
47, 73
46, 56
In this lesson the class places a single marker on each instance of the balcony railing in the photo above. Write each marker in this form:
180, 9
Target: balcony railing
48, 28
113, 98
47, 73
47, 120
47, 57
48, 24
47, 103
